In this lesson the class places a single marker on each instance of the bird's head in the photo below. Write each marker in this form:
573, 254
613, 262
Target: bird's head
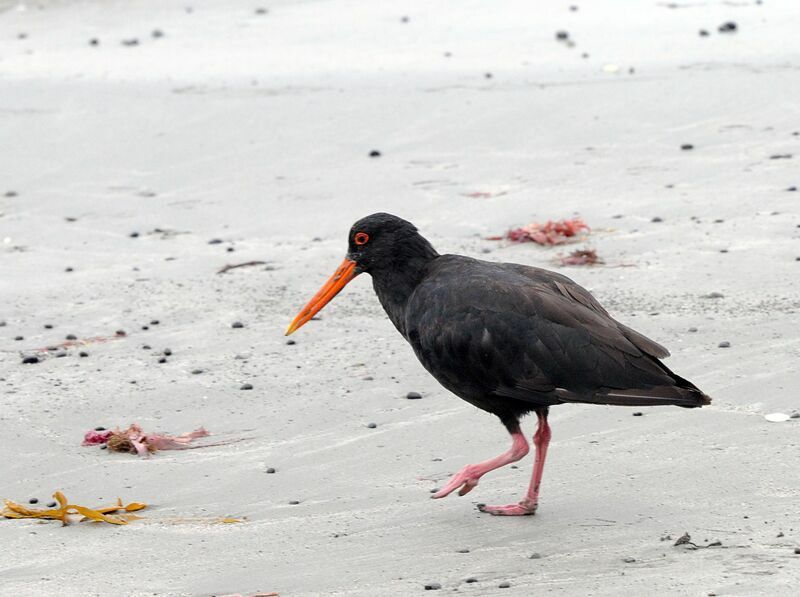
376, 242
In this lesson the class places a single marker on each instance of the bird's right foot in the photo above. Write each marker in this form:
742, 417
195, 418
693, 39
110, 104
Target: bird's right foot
524, 508
467, 479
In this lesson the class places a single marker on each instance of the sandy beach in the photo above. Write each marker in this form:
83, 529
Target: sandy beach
147, 144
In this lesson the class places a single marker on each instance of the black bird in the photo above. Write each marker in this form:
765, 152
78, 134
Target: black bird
507, 338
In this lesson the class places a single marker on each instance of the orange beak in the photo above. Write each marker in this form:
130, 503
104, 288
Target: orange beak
343, 274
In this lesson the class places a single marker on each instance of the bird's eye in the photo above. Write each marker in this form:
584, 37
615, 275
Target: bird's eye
361, 238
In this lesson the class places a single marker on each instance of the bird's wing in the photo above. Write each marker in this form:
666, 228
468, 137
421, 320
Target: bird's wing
493, 328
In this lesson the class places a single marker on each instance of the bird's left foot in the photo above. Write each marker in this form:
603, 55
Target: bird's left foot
524, 508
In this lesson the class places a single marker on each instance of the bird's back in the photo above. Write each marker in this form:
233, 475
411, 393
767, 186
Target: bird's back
518, 333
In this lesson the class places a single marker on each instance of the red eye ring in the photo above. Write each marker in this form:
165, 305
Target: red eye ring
361, 238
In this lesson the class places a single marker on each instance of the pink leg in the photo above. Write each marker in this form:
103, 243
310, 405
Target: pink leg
467, 477
530, 502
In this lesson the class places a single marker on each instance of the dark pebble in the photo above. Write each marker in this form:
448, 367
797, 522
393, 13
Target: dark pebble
167, 352
535, 556
261, 11
413, 395
728, 27
230, 249
271, 471
48, 326
69, 269
134, 235
724, 344
94, 42
145, 328
562, 35
215, 241
374, 153
657, 219
781, 156
372, 425
463, 550
11, 193
162, 360
471, 579
51, 505
487, 75
638, 414
703, 33
130, 42
294, 502
71, 337
712, 295
792, 189
154, 322
687, 147
504, 585
145, 347
157, 34
797, 550
196, 371
83, 354
30, 360
18, 338
629, 560
246, 386
291, 342
795, 415
404, 19
433, 586
104, 447
120, 333
237, 324
61, 354
99, 428
2, 324
33, 501
692, 329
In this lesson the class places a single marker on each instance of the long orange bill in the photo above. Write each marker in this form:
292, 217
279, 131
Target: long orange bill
343, 274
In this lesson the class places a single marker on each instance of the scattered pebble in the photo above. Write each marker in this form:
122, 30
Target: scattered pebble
471, 579
261, 11
94, 42
18, 338
130, 42
487, 75
162, 360
372, 425
291, 342
657, 219
215, 241
535, 556
374, 153
712, 295
504, 585
294, 502
271, 471
724, 344
99, 428
703, 33
30, 360
687, 147
462, 550
404, 19
727, 27
795, 415
157, 34
629, 560
797, 550
83, 354
146, 347
791, 189
51, 504
120, 333
246, 386
196, 371
167, 352
61, 354
154, 322
781, 156
237, 324
33, 501
692, 329
413, 395
71, 337
638, 414
562, 35
433, 586
48, 326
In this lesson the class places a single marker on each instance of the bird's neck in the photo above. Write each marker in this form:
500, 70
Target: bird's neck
394, 285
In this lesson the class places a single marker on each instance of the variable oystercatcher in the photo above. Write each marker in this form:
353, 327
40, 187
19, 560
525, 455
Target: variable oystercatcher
510, 339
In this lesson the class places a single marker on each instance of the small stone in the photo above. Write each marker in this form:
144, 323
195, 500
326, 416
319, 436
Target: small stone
462, 550
791, 189
487, 75
69, 269
145, 347
404, 19
33, 501
130, 42
71, 337
291, 342
629, 560
134, 235
162, 360
687, 147
83, 354
657, 219
104, 447
61, 354
246, 386
237, 325
154, 322
167, 352
372, 425
703, 33
504, 585
30, 360
157, 34
294, 502
18, 338
261, 11
48, 326
724, 344
271, 471
11, 193
471, 579
99, 428
562, 35
712, 295
230, 249
638, 414
197, 371
433, 586
795, 415
374, 153
727, 27
145, 328
94, 42
535, 556
414, 396
121, 333
692, 329
797, 550
215, 241
51, 504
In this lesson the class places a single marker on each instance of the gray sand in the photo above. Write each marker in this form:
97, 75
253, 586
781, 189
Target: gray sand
255, 129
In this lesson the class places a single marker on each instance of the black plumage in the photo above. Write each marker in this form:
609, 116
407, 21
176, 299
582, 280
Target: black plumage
508, 338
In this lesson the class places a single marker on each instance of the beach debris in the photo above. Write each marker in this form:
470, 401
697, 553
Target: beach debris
433, 586
414, 396
724, 344
374, 153
777, 417
687, 147
686, 539
547, 234
246, 386
228, 268
712, 295
136, 441
237, 325
728, 27
118, 514
582, 257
